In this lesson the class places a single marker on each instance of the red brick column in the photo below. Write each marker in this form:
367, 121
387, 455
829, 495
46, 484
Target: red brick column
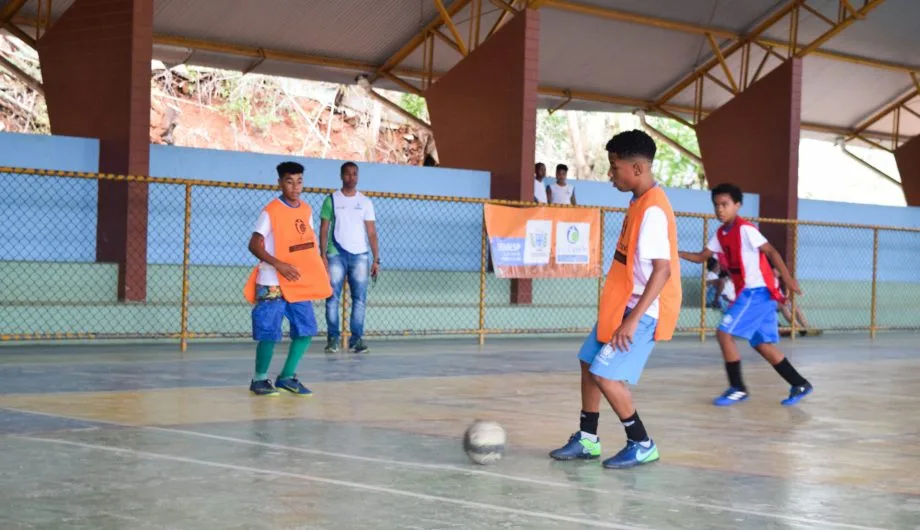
484, 114
753, 141
96, 71
908, 158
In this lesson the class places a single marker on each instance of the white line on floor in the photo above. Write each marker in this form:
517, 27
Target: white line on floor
343, 483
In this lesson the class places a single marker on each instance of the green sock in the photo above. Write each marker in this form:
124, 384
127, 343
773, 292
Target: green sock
295, 354
264, 353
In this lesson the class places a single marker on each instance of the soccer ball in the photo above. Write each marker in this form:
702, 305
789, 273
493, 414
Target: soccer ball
484, 442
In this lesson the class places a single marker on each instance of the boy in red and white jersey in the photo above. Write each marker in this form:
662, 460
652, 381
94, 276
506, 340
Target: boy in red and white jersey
746, 255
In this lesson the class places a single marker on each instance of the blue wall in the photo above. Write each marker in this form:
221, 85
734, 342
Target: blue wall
57, 222
256, 168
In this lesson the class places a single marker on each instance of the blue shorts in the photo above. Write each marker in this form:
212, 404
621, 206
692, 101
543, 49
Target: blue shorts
621, 365
752, 317
268, 314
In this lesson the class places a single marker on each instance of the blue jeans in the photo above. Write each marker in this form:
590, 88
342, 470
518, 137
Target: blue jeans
357, 268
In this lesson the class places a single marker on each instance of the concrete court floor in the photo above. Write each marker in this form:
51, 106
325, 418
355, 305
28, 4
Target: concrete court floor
112, 436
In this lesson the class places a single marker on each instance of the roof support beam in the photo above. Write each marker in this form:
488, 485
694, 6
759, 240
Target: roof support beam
862, 128
417, 40
445, 16
792, 10
719, 33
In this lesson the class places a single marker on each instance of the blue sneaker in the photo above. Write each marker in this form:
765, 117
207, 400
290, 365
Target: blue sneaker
578, 448
634, 454
796, 394
294, 386
730, 397
263, 388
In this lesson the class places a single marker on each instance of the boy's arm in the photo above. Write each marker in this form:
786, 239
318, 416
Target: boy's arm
257, 248
623, 336
549, 195
696, 257
777, 261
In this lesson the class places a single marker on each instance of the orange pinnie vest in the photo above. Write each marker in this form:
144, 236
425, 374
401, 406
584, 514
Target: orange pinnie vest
296, 244
618, 287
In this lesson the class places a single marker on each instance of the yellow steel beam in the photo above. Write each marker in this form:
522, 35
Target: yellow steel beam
416, 41
10, 9
867, 7
446, 40
449, 22
690, 78
881, 113
645, 20
718, 53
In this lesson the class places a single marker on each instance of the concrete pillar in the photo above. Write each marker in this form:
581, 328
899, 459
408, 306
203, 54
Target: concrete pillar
753, 141
908, 158
484, 114
96, 71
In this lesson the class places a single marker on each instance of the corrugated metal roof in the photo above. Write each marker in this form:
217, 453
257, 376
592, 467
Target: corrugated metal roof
578, 52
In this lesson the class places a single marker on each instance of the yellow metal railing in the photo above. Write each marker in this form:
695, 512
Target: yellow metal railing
436, 278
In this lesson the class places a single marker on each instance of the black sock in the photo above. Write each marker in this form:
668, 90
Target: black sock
589, 422
734, 375
635, 431
785, 369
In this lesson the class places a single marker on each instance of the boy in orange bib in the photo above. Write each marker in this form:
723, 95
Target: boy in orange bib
638, 307
290, 274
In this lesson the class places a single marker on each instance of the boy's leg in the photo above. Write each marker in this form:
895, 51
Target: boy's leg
584, 444
266, 329
743, 320
303, 328
611, 370
764, 341
358, 276
336, 278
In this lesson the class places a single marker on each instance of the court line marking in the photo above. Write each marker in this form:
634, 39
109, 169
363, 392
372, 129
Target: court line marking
447, 467
518, 478
336, 482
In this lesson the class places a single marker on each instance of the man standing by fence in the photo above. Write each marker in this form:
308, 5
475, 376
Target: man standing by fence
353, 225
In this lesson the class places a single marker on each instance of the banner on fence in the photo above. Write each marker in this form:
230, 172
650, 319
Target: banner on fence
543, 242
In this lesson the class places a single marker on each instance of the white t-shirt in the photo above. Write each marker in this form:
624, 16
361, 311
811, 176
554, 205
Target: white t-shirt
267, 274
653, 244
562, 194
350, 215
751, 241
539, 191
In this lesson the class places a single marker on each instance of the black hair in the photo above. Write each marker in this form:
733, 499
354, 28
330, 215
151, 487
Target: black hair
538, 165
711, 264
562, 167
728, 189
630, 144
289, 168
347, 165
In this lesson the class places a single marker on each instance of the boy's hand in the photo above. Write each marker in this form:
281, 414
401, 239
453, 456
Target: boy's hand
623, 336
793, 286
288, 271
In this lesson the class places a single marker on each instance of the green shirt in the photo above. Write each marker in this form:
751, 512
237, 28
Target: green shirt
327, 214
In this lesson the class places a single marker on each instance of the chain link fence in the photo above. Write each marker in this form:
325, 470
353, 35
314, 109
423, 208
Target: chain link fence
70, 269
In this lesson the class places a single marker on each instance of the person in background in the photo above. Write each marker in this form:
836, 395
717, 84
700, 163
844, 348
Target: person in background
539, 187
561, 191
348, 217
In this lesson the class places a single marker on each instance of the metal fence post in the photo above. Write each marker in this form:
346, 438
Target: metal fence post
794, 272
600, 279
703, 284
186, 251
873, 319
482, 280
344, 328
